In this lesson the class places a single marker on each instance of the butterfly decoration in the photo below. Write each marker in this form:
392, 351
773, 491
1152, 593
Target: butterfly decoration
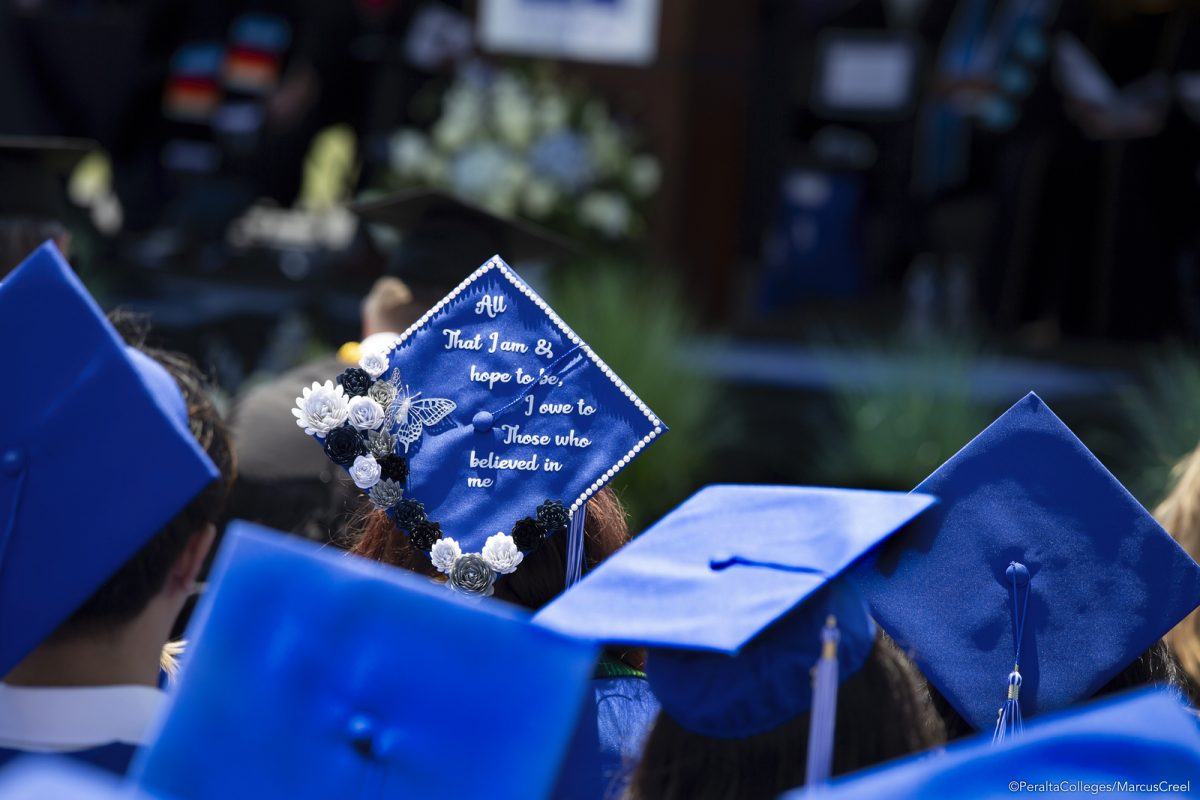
410, 414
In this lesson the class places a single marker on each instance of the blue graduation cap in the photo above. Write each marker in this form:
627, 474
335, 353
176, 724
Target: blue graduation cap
733, 592
58, 778
95, 451
1036, 557
1144, 737
483, 430
317, 675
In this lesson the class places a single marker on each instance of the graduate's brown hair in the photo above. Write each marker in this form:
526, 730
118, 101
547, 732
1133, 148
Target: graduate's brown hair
883, 712
541, 575
130, 589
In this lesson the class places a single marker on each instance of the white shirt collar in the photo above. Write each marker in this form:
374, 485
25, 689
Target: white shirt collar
57, 719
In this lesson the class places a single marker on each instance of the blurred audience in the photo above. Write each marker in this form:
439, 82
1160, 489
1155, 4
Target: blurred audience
285, 482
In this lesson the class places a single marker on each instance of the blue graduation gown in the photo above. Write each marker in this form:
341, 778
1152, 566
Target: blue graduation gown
113, 757
608, 739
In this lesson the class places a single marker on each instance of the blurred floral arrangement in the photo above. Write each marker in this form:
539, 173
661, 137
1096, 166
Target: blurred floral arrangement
523, 143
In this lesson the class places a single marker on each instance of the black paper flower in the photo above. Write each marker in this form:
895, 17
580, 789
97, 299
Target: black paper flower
527, 534
395, 468
424, 534
552, 516
355, 382
408, 512
472, 575
343, 445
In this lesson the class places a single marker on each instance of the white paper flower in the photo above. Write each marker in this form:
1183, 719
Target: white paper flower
501, 553
321, 408
374, 363
365, 472
366, 414
444, 553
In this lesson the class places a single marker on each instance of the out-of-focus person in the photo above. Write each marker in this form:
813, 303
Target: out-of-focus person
283, 481
110, 487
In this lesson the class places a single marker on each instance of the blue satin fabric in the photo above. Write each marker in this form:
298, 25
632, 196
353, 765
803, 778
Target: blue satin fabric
113, 757
608, 740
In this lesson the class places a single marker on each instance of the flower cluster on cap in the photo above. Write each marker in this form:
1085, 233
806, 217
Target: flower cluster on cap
354, 419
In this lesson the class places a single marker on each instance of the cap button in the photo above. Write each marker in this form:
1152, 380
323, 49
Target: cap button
11, 461
361, 730
482, 422
1017, 573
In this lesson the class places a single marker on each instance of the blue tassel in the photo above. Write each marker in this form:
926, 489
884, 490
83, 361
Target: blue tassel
575, 546
1008, 719
823, 716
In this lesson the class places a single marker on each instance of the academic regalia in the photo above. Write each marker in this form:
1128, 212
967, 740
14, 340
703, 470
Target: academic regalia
483, 431
99, 725
114, 757
283, 481
737, 595
58, 778
355, 679
102, 418
1037, 557
1143, 738
609, 736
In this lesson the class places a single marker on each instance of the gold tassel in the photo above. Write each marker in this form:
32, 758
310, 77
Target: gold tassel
168, 660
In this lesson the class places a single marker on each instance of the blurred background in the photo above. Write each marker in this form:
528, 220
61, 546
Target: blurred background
827, 241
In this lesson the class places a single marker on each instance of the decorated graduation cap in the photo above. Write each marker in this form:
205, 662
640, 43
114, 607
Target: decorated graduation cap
315, 674
483, 430
1036, 579
1145, 738
736, 593
96, 455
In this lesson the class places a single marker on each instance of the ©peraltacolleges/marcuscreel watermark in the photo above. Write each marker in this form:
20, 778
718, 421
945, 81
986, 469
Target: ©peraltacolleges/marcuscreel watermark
1098, 788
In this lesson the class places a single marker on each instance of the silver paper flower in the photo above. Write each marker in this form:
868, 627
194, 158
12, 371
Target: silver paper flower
383, 393
472, 575
381, 444
386, 494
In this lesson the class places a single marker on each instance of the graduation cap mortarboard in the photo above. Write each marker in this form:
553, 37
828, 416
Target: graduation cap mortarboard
44, 777
731, 592
488, 416
440, 229
96, 455
39, 166
315, 674
1144, 738
1032, 535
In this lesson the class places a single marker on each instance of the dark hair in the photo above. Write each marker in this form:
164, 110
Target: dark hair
1158, 666
883, 713
130, 589
543, 572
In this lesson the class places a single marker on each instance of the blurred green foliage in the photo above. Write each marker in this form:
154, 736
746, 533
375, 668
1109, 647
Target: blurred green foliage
635, 318
899, 410
1162, 414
